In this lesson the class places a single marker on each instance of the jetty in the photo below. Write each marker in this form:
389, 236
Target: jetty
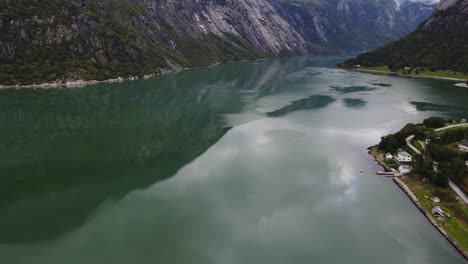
389, 173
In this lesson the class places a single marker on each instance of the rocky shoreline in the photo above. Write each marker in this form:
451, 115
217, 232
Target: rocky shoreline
415, 201
82, 83
373, 152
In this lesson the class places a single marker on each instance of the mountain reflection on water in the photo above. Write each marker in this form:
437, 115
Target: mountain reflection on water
65, 151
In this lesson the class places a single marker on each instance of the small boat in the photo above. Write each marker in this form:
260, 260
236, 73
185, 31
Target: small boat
361, 171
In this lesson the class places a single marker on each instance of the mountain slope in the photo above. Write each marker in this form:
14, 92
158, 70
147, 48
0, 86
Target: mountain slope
353, 25
441, 42
103, 39
66, 40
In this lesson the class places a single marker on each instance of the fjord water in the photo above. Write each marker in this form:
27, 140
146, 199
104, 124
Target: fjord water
246, 162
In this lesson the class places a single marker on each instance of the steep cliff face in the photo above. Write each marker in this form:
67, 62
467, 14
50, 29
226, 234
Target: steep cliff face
353, 25
256, 21
103, 39
439, 43
52, 40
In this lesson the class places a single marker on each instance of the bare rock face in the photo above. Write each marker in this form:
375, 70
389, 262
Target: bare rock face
437, 44
353, 25
450, 16
256, 21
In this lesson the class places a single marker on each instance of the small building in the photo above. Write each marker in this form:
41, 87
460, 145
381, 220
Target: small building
407, 68
404, 169
466, 162
388, 156
357, 66
463, 121
436, 199
463, 146
437, 211
403, 156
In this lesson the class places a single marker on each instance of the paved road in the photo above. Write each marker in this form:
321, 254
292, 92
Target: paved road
408, 142
451, 126
451, 183
457, 189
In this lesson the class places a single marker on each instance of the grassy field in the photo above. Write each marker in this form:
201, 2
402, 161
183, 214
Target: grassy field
428, 73
376, 68
448, 74
457, 224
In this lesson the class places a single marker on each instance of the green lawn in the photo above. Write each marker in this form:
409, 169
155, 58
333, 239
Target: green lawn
438, 73
442, 73
457, 225
418, 145
376, 68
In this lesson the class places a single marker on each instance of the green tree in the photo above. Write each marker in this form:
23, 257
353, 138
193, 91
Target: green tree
456, 169
440, 179
434, 122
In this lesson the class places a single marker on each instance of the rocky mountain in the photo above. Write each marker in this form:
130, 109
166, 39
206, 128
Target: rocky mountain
49, 40
353, 25
441, 42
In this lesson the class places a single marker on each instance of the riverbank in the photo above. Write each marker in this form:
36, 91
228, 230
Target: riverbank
410, 76
459, 233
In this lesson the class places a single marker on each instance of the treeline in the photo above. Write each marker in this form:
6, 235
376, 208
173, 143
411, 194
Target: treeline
440, 160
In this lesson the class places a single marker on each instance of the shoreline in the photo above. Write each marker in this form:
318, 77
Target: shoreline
415, 201
412, 76
81, 82
373, 152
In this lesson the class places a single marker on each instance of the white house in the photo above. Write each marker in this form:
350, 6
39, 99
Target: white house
436, 199
437, 211
463, 146
388, 156
404, 169
403, 156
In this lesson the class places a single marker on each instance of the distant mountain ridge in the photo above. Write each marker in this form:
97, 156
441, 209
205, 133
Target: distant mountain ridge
49, 40
440, 43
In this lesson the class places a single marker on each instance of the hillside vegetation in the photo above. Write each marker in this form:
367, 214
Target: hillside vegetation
440, 43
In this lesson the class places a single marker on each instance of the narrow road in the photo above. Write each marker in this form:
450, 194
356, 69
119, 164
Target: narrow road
451, 126
452, 185
457, 189
408, 142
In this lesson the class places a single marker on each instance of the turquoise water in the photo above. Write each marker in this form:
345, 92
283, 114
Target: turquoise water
240, 163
